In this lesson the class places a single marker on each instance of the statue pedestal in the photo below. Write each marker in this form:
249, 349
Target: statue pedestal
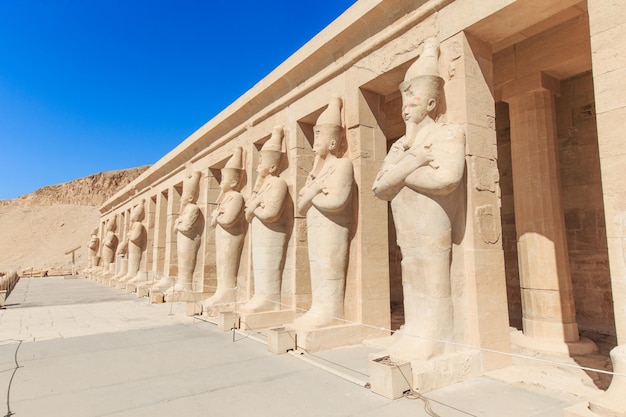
438, 372
3, 297
315, 340
446, 369
121, 284
266, 319
183, 296
215, 309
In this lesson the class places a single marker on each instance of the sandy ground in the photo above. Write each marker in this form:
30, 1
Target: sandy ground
39, 236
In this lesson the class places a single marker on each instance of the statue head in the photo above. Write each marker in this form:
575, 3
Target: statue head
231, 173
112, 224
94, 232
271, 153
190, 187
422, 84
137, 214
328, 129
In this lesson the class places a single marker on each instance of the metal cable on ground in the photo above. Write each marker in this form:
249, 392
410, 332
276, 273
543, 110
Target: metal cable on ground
17, 365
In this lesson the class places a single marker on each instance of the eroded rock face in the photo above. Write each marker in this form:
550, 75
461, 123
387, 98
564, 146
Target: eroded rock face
38, 228
92, 190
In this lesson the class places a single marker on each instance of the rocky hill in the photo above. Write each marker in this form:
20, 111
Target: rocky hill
38, 228
92, 190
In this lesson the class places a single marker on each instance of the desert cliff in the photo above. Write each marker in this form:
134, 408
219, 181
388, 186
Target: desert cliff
37, 229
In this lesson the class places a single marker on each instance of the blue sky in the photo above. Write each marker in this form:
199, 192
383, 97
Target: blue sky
96, 85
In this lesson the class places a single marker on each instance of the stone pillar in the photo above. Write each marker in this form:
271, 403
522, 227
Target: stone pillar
477, 270
171, 252
150, 221
608, 42
549, 314
158, 248
368, 284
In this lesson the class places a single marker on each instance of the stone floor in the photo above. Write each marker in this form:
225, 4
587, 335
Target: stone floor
88, 350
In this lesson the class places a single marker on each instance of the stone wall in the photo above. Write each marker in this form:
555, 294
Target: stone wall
507, 211
583, 207
581, 192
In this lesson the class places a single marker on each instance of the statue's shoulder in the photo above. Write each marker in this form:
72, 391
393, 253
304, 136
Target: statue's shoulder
278, 182
344, 164
451, 132
235, 196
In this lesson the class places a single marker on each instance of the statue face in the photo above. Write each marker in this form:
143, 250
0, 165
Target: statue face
268, 163
324, 141
229, 180
416, 108
265, 166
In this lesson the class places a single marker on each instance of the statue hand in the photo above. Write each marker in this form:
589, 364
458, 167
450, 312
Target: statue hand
249, 213
424, 154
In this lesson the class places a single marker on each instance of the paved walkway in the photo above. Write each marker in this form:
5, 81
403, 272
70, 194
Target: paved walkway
88, 350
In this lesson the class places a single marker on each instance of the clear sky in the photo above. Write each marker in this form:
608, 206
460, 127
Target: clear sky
97, 85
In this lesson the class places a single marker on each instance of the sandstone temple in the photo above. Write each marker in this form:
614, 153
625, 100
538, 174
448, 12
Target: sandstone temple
439, 178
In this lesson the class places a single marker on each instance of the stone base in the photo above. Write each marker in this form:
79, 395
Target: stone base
216, 309
445, 370
121, 284
389, 377
3, 298
131, 288
183, 296
281, 340
267, 319
334, 336
583, 347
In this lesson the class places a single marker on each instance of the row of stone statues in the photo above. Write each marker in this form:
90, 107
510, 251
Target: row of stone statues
421, 177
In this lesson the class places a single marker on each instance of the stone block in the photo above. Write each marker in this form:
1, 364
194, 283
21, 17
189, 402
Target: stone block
389, 377
193, 308
604, 15
281, 340
143, 290
609, 90
131, 287
266, 319
335, 336
156, 297
227, 321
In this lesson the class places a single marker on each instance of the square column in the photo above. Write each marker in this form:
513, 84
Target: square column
549, 314
608, 40
171, 250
